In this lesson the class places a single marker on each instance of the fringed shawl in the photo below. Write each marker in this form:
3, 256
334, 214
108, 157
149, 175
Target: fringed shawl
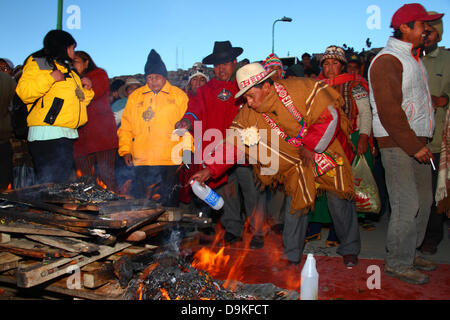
311, 99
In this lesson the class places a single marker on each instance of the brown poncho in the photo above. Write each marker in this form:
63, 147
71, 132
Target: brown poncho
311, 99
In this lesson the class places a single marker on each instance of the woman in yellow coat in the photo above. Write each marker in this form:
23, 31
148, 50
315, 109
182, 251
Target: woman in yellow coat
56, 99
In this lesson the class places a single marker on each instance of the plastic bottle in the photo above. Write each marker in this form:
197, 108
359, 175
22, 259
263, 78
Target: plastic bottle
207, 194
309, 285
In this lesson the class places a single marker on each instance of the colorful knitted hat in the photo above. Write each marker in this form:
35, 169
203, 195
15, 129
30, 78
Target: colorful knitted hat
271, 60
334, 52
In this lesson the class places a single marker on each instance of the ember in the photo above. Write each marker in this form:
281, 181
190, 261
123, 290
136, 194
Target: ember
172, 277
85, 190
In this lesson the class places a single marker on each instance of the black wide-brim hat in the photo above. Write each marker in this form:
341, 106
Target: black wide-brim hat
223, 52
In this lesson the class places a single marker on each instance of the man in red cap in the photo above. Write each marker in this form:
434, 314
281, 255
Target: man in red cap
403, 122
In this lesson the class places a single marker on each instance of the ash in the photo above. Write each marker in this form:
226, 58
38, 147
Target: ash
175, 279
85, 190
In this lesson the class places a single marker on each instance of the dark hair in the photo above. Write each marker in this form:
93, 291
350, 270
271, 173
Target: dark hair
55, 47
306, 54
398, 34
86, 57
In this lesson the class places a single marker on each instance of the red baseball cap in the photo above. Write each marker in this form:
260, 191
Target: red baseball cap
412, 12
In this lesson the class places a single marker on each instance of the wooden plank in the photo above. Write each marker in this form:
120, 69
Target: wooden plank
43, 272
136, 236
30, 228
68, 244
5, 237
171, 214
24, 247
46, 206
48, 218
8, 261
97, 274
155, 228
80, 207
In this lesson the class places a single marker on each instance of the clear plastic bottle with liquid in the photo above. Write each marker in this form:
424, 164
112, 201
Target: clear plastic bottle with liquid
309, 284
207, 194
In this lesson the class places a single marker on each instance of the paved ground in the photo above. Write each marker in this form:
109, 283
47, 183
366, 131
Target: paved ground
373, 244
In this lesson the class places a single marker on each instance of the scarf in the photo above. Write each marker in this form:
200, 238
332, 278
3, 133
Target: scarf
344, 84
300, 181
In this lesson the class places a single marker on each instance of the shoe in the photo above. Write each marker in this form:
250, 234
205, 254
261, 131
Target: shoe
331, 244
315, 236
408, 274
366, 225
257, 242
424, 264
231, 238
350, 260
428, 249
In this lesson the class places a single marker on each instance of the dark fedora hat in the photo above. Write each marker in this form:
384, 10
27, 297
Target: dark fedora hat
223, 52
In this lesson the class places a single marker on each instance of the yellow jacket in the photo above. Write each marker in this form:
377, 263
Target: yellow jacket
55, 102
147, 124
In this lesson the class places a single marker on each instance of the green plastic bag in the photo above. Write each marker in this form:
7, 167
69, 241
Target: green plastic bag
367, 197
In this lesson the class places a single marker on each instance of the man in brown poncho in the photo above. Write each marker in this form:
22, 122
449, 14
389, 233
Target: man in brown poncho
306, 150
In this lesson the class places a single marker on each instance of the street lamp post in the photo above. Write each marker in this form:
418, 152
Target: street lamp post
59, 15
285, 19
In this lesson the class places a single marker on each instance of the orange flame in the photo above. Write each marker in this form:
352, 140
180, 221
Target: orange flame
225, 264
100, 183
9, 187
79, 173
164, 294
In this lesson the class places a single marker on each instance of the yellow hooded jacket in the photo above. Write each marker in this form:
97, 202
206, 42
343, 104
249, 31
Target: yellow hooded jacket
52, 102
147, 124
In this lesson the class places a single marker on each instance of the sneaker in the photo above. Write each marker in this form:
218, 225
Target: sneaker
231, 238
410, 275
257, 242
424, 264
350, 260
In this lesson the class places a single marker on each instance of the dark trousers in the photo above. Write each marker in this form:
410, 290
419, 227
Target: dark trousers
345, 222
53, 160
435, 226
6, 171
157, 180
99, 164
241, 182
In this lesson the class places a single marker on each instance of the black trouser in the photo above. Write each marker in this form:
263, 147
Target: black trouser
53, 160
6, 172
162, 179
434, 233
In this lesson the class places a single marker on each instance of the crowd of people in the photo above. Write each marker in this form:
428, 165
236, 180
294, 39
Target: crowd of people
390, 109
